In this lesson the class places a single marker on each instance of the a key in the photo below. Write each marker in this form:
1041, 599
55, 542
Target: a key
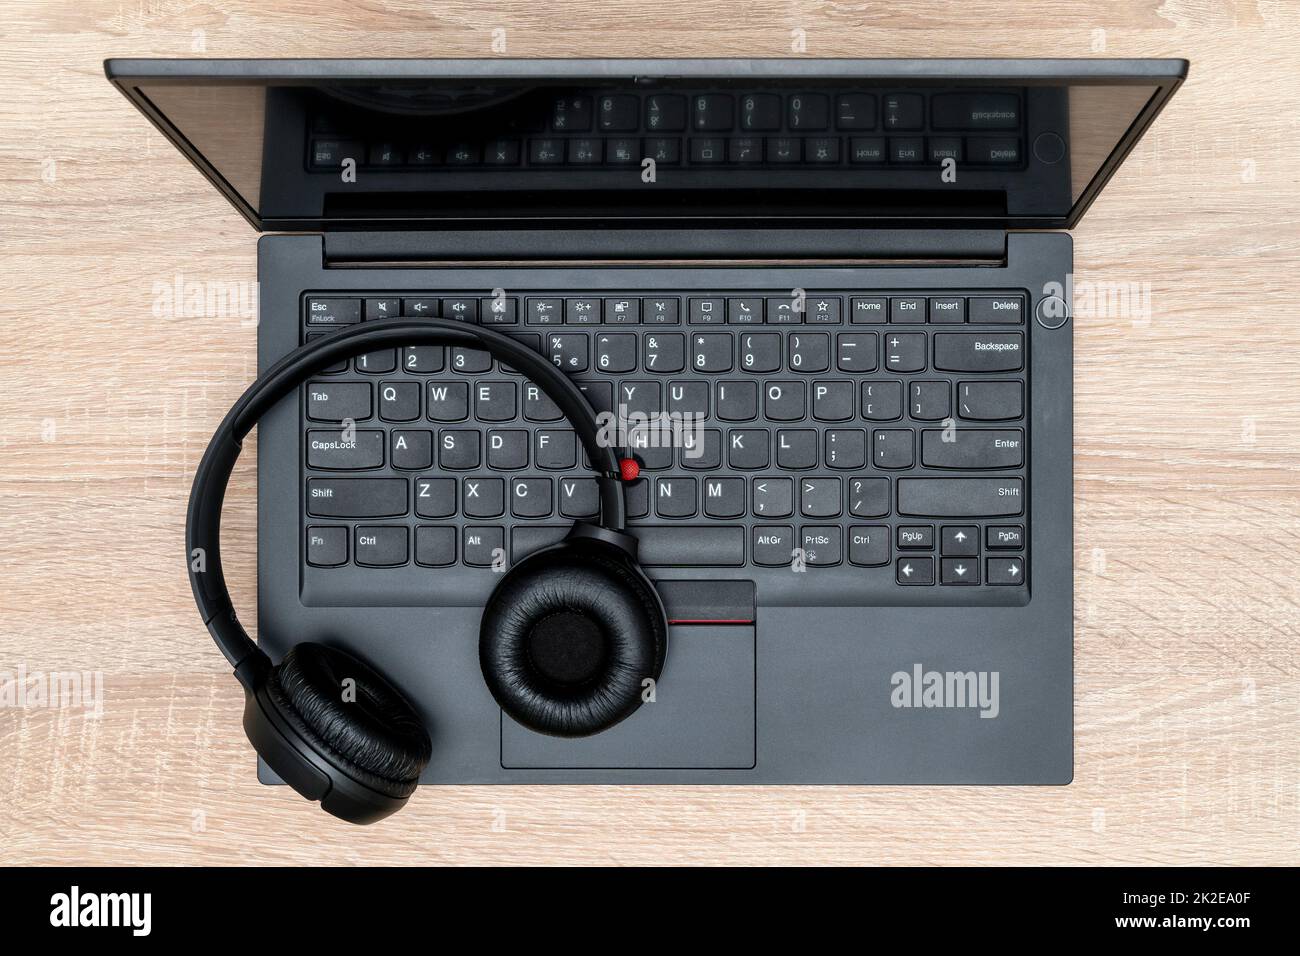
1005, 536
760, 351
483, 497
869, 497
483, 546
622, 311
809, 351
380, 547
785, 310
345, 450
997, 310
701, 449
747, 448
435, 547
868, 545
616, 352
737, 401
773, 497
555, 450
1004, 571
665, 352
494, 401
333, 311
916, 537
666, 112
356, 497
960, 497
639, 398
819, 497
707, 310
691, 546
469, 361
579, 498
796, 448
949, 309
399, 401
383, 308
498, 310
412, 450
868, 310
856, 352
724, 497
855, 111
784, 401
327, 547
544, 311
892, 448
990, 401
660, 310
979, 351
530, 497
435, 497
846, 448
377, 363
337, 367
568, 351
959, 571
448, 401
882, 401
507, 449
821, 545
458, 449
747, 310
584, 311
675, 497
688, 398
809, 111
538, 406
460, 308
711, 352
423, 359
905, 351
832, 401
773, 545
973, 448
338, 401
959, 541
929, 401
760, 112
914, 569
907, 310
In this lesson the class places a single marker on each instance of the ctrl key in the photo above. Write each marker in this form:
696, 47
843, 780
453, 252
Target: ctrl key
381, 547
327, 547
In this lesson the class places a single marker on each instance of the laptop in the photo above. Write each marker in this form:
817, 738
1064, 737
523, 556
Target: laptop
853, 277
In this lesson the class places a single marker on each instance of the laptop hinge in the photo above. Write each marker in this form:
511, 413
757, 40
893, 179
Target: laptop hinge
470, 245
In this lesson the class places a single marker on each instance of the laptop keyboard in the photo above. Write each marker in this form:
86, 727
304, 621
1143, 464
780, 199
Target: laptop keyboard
844, 446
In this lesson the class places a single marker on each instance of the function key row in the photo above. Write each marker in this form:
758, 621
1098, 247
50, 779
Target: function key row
740, 309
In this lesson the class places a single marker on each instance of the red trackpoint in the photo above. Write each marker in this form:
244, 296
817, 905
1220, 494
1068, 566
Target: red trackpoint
628, 469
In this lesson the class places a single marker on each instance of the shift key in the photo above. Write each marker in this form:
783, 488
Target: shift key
960, 497
356, 497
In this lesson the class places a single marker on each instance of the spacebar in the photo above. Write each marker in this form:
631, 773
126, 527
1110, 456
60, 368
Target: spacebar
691, 546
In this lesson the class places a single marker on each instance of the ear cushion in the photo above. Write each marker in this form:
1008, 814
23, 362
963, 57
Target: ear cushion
568, 637
377, 738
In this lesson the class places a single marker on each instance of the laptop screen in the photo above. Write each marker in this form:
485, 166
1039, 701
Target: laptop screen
318, 144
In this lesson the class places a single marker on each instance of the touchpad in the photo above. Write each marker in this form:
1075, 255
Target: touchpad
702, 716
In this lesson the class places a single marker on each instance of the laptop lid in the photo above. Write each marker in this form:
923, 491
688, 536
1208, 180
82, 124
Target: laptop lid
804, 143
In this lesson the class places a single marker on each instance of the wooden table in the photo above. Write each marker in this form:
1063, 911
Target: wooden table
1187, 481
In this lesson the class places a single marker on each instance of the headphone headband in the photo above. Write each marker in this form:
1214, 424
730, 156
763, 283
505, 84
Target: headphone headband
203, 522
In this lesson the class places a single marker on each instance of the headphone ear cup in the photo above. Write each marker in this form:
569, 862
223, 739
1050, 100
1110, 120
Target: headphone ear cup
350, 716
569, 637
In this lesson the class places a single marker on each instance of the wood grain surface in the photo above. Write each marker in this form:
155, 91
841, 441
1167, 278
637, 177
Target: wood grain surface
1187, 484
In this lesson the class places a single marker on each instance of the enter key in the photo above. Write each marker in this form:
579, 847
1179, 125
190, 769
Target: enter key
974, 448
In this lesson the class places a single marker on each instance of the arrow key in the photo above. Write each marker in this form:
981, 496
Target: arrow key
914, 570
961, 541
959, 571
1005, 570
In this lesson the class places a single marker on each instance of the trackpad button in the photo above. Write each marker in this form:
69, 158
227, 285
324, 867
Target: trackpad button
702, 716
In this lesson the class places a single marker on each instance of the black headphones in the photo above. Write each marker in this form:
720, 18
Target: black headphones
567, 641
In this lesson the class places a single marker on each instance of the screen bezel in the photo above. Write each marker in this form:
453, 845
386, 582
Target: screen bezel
1164, 76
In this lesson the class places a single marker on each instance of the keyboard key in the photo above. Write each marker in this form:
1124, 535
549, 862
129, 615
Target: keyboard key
785, 310
583, 311
327, 547
993, 151
820, 497
530, 497
760, 112
920, 536
737, 401
690, 398
460, 308
822, 150
1005, 537
773, 545
377, 363
832, 401
711, 112
661, 310
809, 351
620, 310
914, 570
959, 571
869, 497
495, 401
929, 401
507, 448
823, 309
809, 111
962, 111
745, 150
538, 406
421, 307
383, 308
616, 352
708, 150
338, 401
882, 401
435, 547
960, 541
997, 310
796, 448
568, 351
707, 311
345, 450
381, 547
784, 149
356, 497
412, 450
639, 398
846, 448
990, 401
675, 497
973, 448
907, 309
905, 352
422, 359
579, 498
760, 351
711, 352
665, 352
867, 150
724, 497
1004, 571
978, 351
546, 152
448, 401
855, 111
747, 448
483, 497
906, 150
333, 311
458, 449
868, 310
691, 546
555, 450
821, 545
498, 310
784, 401
618, 113
399, 401
571, 114
746, 310
892, 448
435, 497
856, 352
960, 497
544, 311
469, 361
501, 152
868, 545
940, 148
665, 112
948, 309
903, 111
701, 449
483, 547
773, 497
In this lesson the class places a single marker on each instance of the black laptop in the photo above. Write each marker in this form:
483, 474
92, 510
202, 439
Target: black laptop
853, 278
